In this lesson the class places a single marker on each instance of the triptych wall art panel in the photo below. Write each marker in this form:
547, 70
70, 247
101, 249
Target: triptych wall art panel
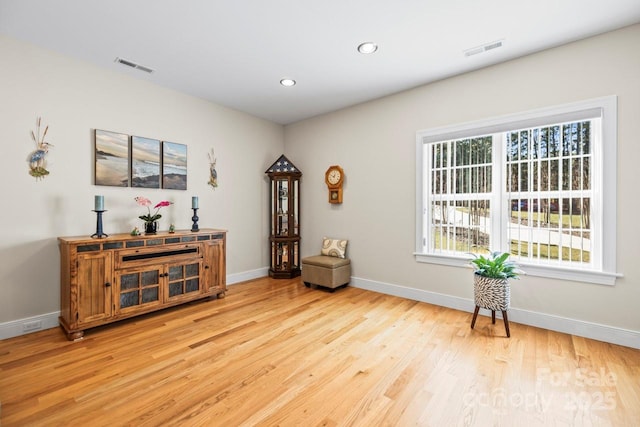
122, 160
112, 159
174, 166
145, 162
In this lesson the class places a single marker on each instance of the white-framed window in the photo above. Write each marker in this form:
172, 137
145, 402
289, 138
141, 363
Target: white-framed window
540, 185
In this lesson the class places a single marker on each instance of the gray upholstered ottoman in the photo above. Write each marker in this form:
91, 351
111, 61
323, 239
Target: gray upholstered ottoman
327, 271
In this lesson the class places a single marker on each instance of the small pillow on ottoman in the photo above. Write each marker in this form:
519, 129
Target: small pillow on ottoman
334, 247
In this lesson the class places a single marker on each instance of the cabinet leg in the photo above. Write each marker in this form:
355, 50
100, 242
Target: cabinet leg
221, 295
75, 336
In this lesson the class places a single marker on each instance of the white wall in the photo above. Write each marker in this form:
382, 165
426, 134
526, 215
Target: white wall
74, 98
375, 144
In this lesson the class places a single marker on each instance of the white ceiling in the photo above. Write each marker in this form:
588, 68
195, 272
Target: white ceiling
234, 52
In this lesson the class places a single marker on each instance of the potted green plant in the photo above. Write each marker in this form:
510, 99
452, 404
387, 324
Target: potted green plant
151, 221
491, 289
495, 265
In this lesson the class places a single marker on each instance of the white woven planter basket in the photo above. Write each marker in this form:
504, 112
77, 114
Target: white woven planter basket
491, 294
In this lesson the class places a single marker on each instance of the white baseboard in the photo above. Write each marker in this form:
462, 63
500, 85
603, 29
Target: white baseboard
15, 328
551, 322
27, 325
232, 279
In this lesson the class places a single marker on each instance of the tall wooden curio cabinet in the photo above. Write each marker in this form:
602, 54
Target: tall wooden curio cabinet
284, 240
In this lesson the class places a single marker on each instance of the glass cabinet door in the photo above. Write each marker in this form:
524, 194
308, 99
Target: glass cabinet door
183, 280
279, 256
285, 256
294, 209
281, 207
294, 255
138, 287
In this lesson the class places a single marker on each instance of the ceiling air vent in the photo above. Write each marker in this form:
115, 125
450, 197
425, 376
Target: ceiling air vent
483, 48
134, 65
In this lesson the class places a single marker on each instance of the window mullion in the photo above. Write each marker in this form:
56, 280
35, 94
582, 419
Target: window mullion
530, 195
449, 183
562, 193
499, 196
536, 160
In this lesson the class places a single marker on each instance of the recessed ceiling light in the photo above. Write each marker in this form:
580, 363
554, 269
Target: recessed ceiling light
287, 82
367, 47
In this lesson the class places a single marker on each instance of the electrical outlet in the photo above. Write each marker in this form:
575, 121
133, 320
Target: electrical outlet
32, 326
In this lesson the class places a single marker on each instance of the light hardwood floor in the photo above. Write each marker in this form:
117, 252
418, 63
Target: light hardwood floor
276, 353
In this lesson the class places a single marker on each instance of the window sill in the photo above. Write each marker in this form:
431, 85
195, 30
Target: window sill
584, 276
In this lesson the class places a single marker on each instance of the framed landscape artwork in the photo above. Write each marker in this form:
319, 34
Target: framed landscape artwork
112, 158
174, 166
145, 162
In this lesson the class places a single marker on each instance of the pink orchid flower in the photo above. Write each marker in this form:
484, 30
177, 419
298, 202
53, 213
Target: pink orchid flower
143, 201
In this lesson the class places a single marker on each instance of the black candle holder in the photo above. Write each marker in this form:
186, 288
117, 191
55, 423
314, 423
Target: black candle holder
195, 219
99, 234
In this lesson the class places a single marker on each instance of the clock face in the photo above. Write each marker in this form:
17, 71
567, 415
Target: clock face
334, 176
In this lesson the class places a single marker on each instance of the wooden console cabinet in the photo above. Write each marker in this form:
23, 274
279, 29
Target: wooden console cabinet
121, 276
